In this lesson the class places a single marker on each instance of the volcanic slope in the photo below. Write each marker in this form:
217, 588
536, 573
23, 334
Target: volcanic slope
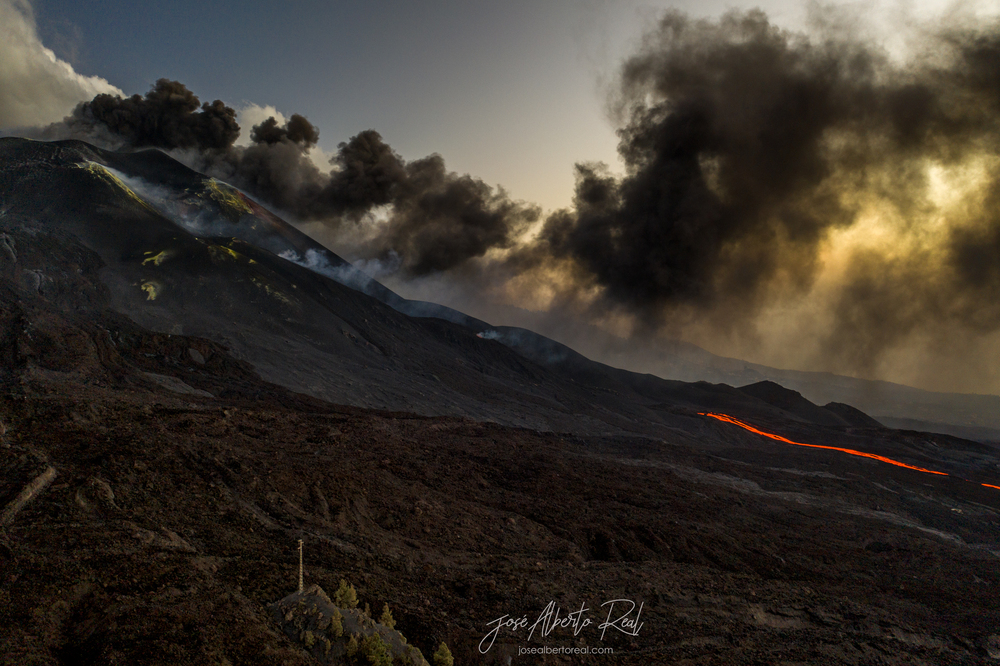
298, 328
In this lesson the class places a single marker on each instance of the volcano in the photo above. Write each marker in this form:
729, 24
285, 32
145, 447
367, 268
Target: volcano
191, 386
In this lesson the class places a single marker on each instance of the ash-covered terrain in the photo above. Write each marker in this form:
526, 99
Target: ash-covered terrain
187, 391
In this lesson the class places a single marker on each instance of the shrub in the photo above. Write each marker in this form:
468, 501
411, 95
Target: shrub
345, 596
443, 656
386, 618
337, 624
352, 645
376, 650
309, 639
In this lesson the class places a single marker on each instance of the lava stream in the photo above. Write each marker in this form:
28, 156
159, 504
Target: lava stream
747, 426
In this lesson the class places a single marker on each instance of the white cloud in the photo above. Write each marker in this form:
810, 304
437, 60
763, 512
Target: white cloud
320, 158
251, 114
36, 87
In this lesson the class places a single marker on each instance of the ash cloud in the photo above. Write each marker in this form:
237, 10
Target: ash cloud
740, 143
806, 199
441, 220
369, 173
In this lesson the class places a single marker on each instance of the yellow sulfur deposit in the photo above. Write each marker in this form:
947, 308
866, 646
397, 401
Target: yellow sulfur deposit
100, 172
230, 202
271, 291
215, 250
156, 259
152, 290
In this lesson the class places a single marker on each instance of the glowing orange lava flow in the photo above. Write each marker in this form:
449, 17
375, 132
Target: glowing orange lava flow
747, 426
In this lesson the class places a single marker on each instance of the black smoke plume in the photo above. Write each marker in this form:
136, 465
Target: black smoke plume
169, 116
436, 220
741, 138
749, 148
297, 130
441, 220
369, 173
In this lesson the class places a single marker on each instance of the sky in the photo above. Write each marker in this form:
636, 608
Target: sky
513, 92
508, 91
813, 186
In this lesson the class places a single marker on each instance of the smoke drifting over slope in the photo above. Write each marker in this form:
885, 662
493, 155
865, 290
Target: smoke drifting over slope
297, 130
438, 219
779, 187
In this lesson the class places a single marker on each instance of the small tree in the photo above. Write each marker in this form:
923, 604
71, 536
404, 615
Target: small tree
352, 645
443, 656
346, 597
386, 617
376, 650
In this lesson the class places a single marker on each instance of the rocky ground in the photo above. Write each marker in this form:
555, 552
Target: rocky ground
173, 521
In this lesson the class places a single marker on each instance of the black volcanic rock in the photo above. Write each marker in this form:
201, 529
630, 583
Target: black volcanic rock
854, 417
172, 523
298, 328
793, 403
655, 392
